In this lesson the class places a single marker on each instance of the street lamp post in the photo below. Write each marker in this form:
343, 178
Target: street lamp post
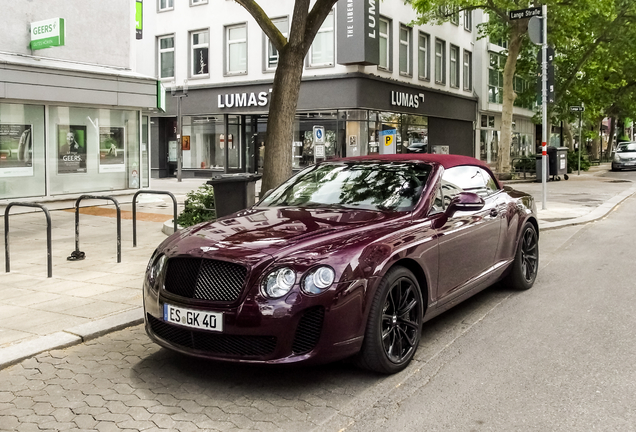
179, 95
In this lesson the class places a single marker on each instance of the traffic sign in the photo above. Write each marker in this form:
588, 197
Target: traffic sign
535, 30
525, 13
577, 108
319, 134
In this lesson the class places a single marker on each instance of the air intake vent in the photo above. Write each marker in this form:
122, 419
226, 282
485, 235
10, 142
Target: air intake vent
205, 279
308, 331
214, 343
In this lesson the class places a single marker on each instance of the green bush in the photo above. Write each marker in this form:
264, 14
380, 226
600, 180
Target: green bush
525, 165
199, 207
573, 161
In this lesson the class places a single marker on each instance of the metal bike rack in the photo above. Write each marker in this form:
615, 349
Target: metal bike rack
77, 254
49, 262
134, 210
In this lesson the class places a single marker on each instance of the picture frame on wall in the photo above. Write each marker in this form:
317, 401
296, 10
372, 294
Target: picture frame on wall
16, 150
71, 149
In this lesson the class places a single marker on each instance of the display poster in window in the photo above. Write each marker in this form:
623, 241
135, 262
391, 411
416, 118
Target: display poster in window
71, 149
16, 150
111, 150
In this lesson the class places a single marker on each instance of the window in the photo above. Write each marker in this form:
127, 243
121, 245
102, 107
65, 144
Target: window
322, 52
500, 42
236, 49
454, 18
385, 44
440, 61
271, 55
468, 20
200, 41
467, 178
197, 2
422, 56
406, 33
454, 66
468, 70
165, 5
495, 78
166, 56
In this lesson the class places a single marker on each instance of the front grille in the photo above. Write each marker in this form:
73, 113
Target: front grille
308, 331
205, 279
214, 343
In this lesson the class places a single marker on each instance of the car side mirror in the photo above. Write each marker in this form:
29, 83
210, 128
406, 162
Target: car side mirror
465, 201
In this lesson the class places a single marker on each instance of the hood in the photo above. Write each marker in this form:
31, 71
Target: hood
272, 229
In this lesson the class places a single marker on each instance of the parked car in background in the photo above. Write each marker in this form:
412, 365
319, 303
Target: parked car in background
346, 258
625, 156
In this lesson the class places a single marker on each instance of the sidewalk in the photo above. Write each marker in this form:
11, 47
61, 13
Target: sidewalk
88, 298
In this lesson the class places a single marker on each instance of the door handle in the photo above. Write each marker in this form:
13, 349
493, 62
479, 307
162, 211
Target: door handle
494, 212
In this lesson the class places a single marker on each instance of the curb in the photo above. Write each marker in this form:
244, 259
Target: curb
168, 227
596, 214
72, 336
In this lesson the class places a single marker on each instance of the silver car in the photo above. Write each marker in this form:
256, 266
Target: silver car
625, 156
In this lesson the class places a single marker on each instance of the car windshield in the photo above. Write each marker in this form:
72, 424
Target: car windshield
626, 147
368, 186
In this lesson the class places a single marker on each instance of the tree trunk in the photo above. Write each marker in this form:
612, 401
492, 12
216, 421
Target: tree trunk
597, 142
610, 140
517, 32
277, 166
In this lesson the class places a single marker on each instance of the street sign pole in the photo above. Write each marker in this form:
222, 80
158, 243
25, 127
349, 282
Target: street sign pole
544, 105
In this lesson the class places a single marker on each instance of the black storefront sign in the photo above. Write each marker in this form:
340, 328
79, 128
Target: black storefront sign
358, 32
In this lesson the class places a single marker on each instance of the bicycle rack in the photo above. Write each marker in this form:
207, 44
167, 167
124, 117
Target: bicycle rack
79, 255
134, 210
49, 262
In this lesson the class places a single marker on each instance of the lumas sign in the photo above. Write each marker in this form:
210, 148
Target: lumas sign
358, 32
47, 33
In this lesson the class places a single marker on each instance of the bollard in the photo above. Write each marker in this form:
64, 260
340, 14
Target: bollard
134, 210
79, 255
49, 261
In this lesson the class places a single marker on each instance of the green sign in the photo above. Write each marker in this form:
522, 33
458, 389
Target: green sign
47, 33
139, 19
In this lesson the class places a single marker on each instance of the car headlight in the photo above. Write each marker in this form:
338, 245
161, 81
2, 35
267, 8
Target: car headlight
617, 158
279, 282
156, 268
318, 280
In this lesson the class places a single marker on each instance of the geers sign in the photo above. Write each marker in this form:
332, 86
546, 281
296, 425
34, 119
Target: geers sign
358, 32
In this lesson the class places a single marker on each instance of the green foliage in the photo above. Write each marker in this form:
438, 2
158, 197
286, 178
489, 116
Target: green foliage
199, 207
573, 161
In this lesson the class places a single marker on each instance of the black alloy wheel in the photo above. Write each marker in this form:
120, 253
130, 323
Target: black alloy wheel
526, 264
395, 323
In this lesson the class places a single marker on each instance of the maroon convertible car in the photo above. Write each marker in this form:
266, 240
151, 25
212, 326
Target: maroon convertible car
346, 258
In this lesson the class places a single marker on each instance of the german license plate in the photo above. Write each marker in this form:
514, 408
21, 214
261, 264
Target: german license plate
203, 320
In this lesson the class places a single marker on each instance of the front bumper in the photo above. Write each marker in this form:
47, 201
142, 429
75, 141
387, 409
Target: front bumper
295, 328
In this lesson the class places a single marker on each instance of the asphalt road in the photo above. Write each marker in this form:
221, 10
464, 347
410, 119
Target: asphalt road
557, 357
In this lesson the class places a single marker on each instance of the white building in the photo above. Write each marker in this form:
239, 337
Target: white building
71, 115
420, 92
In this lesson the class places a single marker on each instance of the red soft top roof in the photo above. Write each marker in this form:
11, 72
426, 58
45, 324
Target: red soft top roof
445, 160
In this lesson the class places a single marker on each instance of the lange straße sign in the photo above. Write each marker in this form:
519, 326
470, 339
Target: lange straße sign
525, 13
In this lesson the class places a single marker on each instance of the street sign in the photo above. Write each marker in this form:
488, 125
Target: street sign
525, 13
535, 30
577, 108
319, 134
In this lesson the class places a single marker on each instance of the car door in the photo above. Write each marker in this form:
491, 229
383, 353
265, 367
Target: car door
468, 240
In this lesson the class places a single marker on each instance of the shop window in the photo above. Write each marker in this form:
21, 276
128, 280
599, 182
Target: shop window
468, 20
199, 43
406, 34
468, 70
454, 66
166, 56
321, 52
207, 142
271, 54
236, 49
423, 56
440, 61
166, 5
385, 44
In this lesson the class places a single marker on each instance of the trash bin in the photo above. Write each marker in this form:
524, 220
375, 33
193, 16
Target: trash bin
561, 162
539, 165
233, 192
557, 163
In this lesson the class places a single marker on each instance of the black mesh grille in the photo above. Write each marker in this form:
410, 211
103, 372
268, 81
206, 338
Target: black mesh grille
214, 343
308, 331
205, 279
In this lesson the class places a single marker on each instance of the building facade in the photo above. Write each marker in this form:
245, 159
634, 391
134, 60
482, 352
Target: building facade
71, 113
413, 89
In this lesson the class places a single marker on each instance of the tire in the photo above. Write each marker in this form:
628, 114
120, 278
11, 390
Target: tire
525, 267
394, 326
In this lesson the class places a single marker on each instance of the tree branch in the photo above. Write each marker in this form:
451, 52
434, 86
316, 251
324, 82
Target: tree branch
315, 19
270, 30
